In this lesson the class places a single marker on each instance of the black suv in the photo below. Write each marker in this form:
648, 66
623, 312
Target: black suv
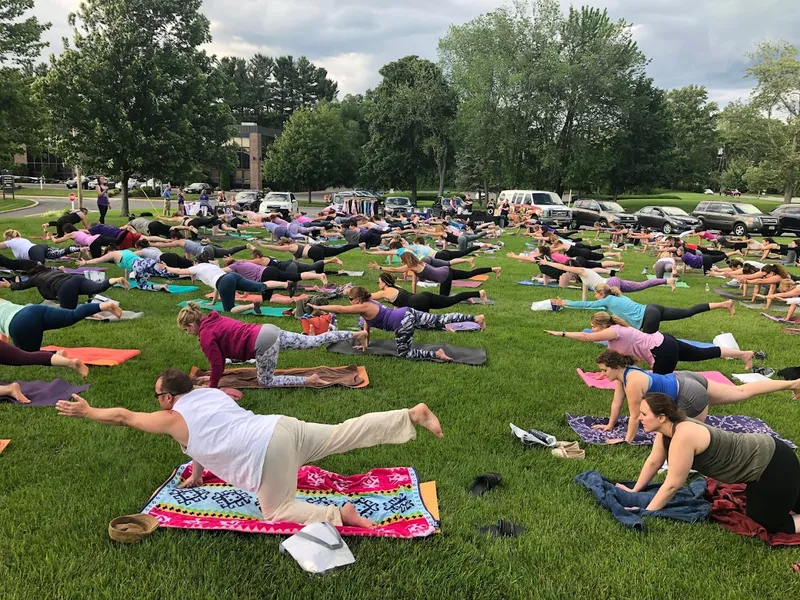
589, 212
788, 218
737, 218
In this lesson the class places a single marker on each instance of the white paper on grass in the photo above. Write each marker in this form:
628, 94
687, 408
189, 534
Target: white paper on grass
542, 305
725, 340
749, 377
318, 548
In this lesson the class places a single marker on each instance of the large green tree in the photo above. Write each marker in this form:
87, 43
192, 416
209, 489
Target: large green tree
19, 46
313, 152
409, 119
136, 94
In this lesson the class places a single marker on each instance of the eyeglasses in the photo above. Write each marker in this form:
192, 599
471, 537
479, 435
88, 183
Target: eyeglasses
158, 395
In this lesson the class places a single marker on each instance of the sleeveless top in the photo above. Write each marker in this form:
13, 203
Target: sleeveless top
437, 274
84, 239
102, 197
403, 298
660, 384
387, 319
226, 439
127, 259
299, 252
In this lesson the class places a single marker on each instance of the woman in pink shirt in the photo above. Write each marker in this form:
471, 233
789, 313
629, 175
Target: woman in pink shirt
660, 351
83, 238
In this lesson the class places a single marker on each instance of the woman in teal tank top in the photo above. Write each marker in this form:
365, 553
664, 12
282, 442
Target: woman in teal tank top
142, 268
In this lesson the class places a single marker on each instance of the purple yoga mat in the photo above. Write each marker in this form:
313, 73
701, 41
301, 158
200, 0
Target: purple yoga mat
81, 270
46, 393
737, 423
467, 283
465, 326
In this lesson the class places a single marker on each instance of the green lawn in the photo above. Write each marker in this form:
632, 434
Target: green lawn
14, 203
64, 480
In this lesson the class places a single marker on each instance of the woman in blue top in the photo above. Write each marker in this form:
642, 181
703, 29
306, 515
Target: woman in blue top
142, 268
402, 321
645, 317
690, 391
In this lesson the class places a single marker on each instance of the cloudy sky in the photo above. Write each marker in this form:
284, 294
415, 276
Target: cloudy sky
688, 41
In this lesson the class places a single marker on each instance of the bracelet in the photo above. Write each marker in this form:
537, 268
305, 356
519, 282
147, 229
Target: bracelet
563, 334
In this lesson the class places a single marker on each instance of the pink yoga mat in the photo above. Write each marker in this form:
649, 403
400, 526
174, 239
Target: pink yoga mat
781, 319
594, 379
467, 283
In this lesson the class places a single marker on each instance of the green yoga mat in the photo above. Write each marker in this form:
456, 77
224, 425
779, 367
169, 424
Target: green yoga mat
173, 289
680, 284
266, 311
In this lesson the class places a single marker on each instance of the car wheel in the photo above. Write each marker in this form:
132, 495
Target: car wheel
603, 223
573, 224
739, 229
667, 228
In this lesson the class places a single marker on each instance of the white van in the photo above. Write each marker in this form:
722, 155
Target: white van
547, 205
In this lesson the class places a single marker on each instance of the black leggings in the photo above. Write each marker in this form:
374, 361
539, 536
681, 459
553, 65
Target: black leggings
451, 254
275, 274
41, 252
673, 350
69, 219
447, 284
575, 252
320, 252
224, 252
96, 247
175, 261
16, 265
655, 313
27, 327
425, 301
293, 266
78, 285
710, 259
103, 210
777, 492
158, 228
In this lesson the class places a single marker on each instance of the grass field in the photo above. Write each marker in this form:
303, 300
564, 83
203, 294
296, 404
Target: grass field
64, 480
14, 204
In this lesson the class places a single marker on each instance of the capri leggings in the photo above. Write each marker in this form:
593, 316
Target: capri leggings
223, 252
78, 285
673, 350
175, 261
654, 314
414, 319
96, 247
425, 301
293, 266
15, 357
452, 254
320, 252
663, 265
447, 284
27, 327
634, 286
229, 283
42, 252
776, 492
14, 264
275, 274
144, 269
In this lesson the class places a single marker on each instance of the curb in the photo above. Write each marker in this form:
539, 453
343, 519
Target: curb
10, 210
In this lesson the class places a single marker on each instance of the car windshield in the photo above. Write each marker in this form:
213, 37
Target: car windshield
402, 201
277, 196
746, 209
542, 199
675, 211
611, 207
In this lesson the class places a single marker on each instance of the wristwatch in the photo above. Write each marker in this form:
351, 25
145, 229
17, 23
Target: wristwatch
563, 334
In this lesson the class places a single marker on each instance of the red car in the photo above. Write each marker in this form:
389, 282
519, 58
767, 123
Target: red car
730, 192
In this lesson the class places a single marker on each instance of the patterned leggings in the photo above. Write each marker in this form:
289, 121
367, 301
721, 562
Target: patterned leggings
634, 286
42, 252
414, 319
144, 269
267, 360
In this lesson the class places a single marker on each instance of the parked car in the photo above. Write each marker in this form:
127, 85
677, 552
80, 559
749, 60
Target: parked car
197, 188
589, 212
738, 218
92, 182
788, 218
133, 183
666, 218
283, 202
72, 183
249, 200
547, 205
731, 192
397, 205
708, 192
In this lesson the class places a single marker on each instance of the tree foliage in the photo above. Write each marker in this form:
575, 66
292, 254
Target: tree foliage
136, 94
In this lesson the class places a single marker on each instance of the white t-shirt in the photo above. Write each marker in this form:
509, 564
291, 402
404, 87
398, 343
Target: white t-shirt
757, 265
19, 247
226, 439
207, 273
592, 278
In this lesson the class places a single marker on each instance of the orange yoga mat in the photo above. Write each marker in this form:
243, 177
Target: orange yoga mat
479, 278
4, 443
277, 298
98, 357
427, 490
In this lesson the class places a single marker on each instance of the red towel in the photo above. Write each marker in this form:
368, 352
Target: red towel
99, 357
728, 506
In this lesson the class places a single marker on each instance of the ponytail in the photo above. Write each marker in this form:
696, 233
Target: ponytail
606, 290
615, 360
190, 315
606, 320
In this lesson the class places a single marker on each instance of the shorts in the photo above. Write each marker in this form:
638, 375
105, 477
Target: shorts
692, 392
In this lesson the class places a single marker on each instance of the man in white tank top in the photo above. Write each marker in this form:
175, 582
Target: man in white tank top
258, 453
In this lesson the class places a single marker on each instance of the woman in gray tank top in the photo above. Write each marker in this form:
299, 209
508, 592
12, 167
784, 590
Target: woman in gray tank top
767, 466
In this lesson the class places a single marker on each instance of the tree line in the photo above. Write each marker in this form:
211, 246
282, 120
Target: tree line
527, 96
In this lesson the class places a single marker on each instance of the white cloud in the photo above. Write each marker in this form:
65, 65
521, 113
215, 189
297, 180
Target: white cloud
355, 72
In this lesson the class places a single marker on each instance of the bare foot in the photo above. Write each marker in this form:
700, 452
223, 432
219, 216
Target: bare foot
731, 309
471, 262
13, 390
440, 354
123, 281
61, 352
337, 261
111, 307
251, 247
423, 416
496, 271
324, 279
361, 339
316, 380
363, 246
351, 518
748, 360
481, 320
671, 283
483, 296
79, 367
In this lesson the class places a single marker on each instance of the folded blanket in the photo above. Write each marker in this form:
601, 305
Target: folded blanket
598, 380
392, 497
351, 376
729, 509
82, 270
736, 423
45, 393
98, 357
688, 504
266, 311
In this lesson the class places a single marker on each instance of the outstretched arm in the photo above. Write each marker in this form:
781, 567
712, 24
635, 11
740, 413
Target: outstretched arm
161, 422
340, 309
175, 270
110, 257
606, 335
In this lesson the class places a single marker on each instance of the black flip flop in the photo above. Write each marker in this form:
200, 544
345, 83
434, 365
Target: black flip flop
484, 483
502, 529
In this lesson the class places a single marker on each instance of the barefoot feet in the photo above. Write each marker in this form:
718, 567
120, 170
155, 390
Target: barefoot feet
481, 320
79, 367
441, 355
111, 307
361, 339
483, 296
671, 283
421, 415
496, 271
351, 518
123, 281
15, 392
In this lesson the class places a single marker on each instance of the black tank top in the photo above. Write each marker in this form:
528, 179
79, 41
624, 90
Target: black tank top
403, 298
299, 252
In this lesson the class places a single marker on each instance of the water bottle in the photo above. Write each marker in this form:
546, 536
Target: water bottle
708, 289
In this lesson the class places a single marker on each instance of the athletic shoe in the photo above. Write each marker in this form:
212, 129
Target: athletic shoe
644, 271
292, 288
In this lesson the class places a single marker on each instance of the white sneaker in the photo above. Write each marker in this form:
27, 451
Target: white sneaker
644, 271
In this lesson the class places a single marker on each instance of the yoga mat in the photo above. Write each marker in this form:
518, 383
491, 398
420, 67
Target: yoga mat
4, 444
780, 319
276, 298
387, 347
478, 301
680, 284
465, 326
172, 289
762, 306
351, 273
691, 342
727, 294
737, 423
266, 311
466, 283
45, 393
82, 270
392, 497
595, 381
351, 376
98, 357
107, 317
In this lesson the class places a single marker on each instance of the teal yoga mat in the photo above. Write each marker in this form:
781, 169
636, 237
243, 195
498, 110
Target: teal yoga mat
173, 289
266, 311
680, 284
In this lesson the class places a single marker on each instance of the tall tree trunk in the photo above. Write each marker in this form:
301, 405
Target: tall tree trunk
442, 164
309, 195
485, 191
789, 189
414, 190
124, 207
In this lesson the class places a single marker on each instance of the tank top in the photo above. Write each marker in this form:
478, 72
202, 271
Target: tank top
658, 384
192, 247
591, 278
734, 457
403, 298
387, 319
102, 197
153, 253
84, 239
226, 439
437, 274
127, 259
299, 252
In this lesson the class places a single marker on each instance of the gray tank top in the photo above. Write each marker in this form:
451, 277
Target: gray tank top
734, 457
193, 248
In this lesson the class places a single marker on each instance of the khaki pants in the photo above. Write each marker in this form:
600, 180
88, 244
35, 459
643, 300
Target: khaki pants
295, 443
